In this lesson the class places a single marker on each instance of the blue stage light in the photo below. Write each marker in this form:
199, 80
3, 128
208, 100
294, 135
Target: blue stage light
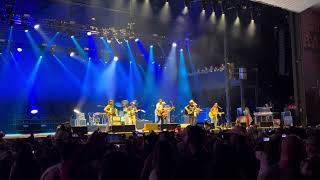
181, 50
72, 54
19, 49
36, 27
115, 58
26, 30
72, 36
151, 46
109, 41
89, 33
174, 44
136, 40
34, 111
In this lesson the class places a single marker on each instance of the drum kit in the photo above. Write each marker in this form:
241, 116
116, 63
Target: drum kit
98, 118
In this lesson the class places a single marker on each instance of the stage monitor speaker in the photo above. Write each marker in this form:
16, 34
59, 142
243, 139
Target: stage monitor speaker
266, 124
80, 131
169, 127
184, 125
123, 128
151, 127
140, 124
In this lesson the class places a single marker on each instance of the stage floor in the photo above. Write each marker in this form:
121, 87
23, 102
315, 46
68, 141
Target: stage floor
42, 135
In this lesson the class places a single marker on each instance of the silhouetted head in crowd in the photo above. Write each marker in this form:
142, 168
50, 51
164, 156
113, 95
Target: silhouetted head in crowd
2, 134
163, 161
195, 138
291, 152
312, 146
238, 135
63, 133
25, 166
310, 168
116, 166
272, 149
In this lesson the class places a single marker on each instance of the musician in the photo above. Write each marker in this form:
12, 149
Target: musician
163, 111
214, 112
159, 109
247, 115
131, 112
191, 110
110, 111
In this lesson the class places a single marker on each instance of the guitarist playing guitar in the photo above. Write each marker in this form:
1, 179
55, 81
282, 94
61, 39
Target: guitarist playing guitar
131, 111
162, 111
192, 110
214, 112
110, 111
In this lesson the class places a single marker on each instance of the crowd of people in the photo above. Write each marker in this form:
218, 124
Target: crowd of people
191, 153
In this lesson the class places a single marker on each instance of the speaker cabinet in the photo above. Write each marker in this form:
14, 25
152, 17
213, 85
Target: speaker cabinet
123, 128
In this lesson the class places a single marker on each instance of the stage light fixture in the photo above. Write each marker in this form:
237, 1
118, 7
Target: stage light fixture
76, 111
34, 111
174, 44
89, 33
36, 27
72, 54
26, 30
151, 46
109, 41
181, 50
185, 10
136, 40
19, 49
115, 58
130, 62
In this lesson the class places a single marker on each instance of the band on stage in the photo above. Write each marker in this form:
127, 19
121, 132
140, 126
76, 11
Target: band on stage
128, 114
